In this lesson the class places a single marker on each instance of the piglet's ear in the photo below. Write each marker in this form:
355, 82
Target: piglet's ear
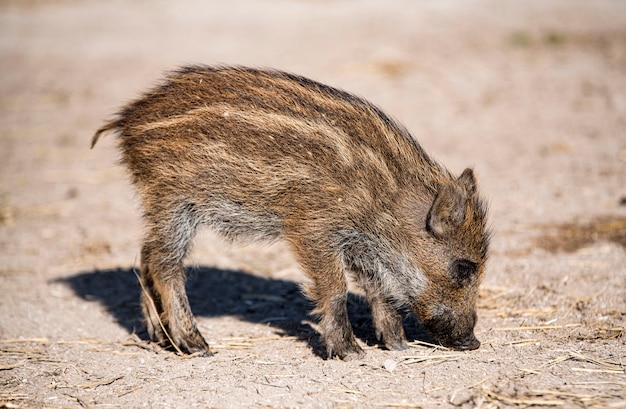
468, 181
448, 210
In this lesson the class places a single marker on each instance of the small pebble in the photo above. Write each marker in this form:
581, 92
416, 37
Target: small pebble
390, 365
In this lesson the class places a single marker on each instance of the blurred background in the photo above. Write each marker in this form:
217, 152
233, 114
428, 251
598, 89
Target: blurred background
532, 94
510, 88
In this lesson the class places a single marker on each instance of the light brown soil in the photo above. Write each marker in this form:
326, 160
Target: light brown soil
532, 94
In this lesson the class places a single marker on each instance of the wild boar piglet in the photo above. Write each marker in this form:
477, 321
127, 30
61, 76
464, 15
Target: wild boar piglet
259, 154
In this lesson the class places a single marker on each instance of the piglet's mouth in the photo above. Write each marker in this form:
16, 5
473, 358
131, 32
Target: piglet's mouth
467, 344
444, 330
464, 343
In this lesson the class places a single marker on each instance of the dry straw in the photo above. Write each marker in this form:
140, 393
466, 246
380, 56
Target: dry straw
156, 314
567, 398
435, 358
558, 398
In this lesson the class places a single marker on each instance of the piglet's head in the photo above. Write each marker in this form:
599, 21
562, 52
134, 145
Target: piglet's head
455, 263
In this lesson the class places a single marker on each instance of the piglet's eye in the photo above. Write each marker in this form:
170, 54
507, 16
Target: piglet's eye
463, 270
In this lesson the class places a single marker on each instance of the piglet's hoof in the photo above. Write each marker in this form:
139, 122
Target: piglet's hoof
350, 353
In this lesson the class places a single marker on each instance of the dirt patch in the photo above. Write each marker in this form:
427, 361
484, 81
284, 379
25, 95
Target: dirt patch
570, 237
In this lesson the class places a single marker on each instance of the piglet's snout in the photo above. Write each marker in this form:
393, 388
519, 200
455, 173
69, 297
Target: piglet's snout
467, 344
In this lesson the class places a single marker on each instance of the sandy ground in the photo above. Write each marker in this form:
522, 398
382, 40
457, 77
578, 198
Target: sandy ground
532, 94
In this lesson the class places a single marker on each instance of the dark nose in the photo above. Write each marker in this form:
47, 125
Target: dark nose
467, 344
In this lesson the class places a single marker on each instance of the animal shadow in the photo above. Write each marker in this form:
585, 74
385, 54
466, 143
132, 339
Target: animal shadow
216, 292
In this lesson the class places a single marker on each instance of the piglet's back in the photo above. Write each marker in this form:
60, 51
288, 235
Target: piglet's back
270, 135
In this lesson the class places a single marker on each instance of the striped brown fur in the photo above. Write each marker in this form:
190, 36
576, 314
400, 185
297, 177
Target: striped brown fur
262, 154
